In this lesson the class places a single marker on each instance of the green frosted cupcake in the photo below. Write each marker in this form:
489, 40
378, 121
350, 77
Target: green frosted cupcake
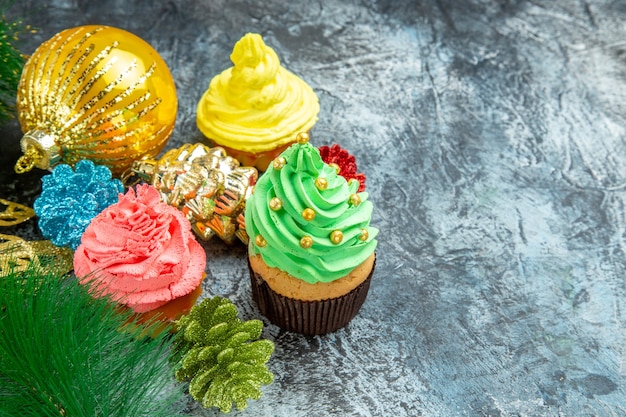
312, 249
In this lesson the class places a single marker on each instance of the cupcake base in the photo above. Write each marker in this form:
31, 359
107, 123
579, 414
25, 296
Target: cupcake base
308, 317
161, 318
259, 160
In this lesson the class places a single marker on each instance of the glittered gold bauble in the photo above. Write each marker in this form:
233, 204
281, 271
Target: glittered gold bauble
207, 185
94, 92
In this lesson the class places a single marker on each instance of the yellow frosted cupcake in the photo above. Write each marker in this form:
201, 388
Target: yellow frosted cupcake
256, 108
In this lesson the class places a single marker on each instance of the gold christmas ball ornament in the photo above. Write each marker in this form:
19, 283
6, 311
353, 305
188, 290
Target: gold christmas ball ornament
207, 185
94, 92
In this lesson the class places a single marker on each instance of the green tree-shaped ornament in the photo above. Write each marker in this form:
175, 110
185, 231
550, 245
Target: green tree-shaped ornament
221, 356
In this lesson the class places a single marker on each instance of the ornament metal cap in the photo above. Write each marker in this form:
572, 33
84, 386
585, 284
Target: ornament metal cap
40, 150
141, 170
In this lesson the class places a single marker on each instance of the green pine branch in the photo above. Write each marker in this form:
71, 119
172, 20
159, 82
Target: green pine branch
11, 62
221, 356
62, 353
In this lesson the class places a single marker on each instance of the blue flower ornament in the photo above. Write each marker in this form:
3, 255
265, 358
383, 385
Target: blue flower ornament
70, 199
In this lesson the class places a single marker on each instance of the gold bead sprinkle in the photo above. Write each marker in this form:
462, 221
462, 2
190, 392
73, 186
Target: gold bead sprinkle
279, 162
364, 235
308, 214
355, 200
337, 167
276, 204
306, 242
302, 138
321, 183
352, 181
260, 241
336, 236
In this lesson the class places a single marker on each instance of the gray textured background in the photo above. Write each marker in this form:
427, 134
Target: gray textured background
493, 135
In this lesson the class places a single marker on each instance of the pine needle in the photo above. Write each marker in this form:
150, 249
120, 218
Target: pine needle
11, 61
62, 354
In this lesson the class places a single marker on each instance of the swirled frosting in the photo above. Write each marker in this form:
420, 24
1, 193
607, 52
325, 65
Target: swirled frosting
256, 105
140, 251
315, 230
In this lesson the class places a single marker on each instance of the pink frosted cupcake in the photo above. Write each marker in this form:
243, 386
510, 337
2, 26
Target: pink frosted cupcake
141, 252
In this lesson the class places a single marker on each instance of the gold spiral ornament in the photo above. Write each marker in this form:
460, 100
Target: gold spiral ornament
94, 92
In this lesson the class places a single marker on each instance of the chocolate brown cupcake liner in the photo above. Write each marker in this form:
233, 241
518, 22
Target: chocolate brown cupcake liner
308, 317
